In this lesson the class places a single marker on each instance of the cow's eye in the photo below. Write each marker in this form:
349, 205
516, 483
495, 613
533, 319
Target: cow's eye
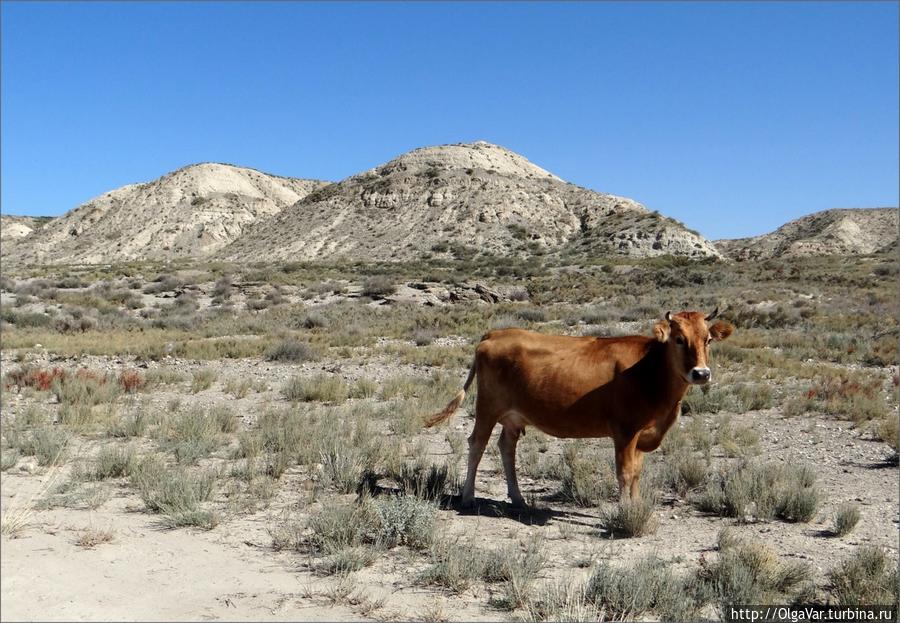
679, 340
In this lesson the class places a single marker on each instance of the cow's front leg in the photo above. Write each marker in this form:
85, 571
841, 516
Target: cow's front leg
507, 444
637, 466
626, 463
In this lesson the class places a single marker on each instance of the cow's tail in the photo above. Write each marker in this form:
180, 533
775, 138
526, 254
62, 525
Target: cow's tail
437, 418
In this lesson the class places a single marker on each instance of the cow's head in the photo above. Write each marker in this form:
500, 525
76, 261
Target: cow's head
687, 335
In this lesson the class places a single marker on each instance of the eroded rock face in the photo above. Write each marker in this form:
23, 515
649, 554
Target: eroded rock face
831, 232
16, 227
457, 199
190, 212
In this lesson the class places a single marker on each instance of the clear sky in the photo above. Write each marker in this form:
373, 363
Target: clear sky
731, 117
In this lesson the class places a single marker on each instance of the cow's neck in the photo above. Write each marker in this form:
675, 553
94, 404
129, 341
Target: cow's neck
669, 381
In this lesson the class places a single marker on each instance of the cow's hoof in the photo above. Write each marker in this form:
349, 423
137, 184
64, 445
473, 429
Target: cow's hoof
467, 502
519, 503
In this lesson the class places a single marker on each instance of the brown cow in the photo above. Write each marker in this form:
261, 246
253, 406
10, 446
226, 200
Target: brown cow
628, 388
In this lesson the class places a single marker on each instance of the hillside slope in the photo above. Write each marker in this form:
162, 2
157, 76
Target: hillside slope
830, 232
190, 212
435, 200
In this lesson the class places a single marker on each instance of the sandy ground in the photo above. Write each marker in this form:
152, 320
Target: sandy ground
232, 572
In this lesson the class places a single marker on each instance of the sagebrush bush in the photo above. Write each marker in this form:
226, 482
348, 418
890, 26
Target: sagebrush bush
765, 490
203, 379
845, 519
292, 350
867, 577
631, 517
378, 286
587, 478
749, 572
175, 492
320, 388
110, 462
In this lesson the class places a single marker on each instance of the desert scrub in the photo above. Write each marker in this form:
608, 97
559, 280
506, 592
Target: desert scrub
587, 477
736, 440
888, 430
748, 572
364, 388
132, 424
202, 379
111, 461
8, 458
867, 577
193, 434
71, 494
854, 396
681, 472
175, 492
631, 517
164, 376
516, 567
763, 491
453, 565
405, 520
47, 444
238, 387
382, 523
378, 286
649, 586
845, 519
402, 387
320, 388
292, 350
422, 480
86, 388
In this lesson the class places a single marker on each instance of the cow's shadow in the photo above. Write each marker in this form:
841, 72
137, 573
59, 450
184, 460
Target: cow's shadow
531, 515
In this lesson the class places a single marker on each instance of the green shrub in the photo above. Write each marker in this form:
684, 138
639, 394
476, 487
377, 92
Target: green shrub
845, 519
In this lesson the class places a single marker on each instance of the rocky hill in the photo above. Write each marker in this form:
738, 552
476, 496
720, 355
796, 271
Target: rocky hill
455, 200
830, 232
13, 227
193, 211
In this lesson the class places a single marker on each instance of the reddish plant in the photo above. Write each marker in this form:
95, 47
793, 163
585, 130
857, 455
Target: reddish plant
34, 377
131, 381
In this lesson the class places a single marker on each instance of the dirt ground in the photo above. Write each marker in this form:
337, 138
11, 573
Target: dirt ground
232, 572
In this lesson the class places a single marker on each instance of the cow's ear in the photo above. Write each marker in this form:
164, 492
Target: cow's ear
720, 330
661, 330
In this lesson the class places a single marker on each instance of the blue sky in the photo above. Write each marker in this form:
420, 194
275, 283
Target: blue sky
731, 117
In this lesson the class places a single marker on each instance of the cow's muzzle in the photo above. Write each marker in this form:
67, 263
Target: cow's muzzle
700, 376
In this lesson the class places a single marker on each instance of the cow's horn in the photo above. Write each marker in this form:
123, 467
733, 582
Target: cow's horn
714, 314
669, 316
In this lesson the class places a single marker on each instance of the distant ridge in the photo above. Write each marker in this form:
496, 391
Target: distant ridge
849, 231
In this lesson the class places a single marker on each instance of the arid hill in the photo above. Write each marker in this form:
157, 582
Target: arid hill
190, 212
830, 232
453, 199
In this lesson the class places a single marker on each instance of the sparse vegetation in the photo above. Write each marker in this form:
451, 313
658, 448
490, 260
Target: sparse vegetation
337, 451
845, 519
865, 578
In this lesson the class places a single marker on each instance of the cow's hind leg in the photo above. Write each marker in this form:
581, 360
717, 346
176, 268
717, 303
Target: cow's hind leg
478, 441
508, 440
